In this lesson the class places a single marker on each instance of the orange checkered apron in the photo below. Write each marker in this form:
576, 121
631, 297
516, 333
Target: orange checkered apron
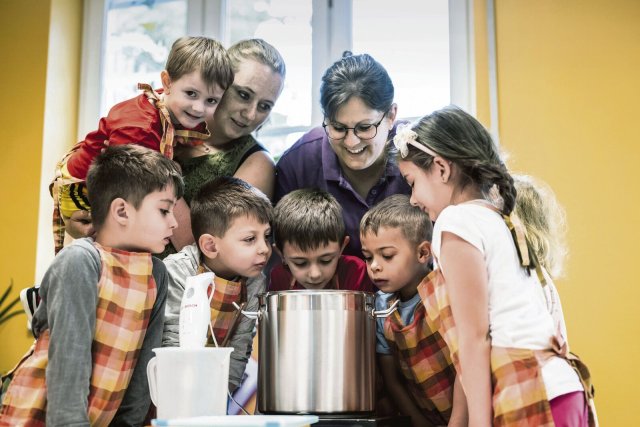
519, 394
224, 315
425, 363
126, 295
71, 192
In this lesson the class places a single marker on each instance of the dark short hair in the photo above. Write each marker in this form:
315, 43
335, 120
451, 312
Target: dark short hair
220, 201
397, 212
358, 76
189, 54
130, 172
308, 218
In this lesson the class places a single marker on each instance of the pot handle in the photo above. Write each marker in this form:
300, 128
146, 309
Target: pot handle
385, 313
249, 314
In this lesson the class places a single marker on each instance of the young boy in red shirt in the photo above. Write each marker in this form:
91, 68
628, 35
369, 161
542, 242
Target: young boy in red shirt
197, 73
310, 237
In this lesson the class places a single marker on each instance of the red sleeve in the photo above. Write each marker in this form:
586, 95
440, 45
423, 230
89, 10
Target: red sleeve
352, 273
280, 278
136, 135
134, 121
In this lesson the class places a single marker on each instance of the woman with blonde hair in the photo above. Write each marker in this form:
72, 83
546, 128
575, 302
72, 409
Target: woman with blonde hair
231, 150
545, 222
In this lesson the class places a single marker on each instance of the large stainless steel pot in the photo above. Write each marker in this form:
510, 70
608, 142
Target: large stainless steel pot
316, 352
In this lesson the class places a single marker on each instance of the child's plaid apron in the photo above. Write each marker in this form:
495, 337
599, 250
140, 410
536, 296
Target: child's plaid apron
126, 295
425, 363
519, 394
224, 315
70, 193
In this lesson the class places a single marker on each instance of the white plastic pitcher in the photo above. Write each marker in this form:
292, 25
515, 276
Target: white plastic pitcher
189, 382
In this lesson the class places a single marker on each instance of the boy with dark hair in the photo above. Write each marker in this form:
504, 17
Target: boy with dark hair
196, 75
415, 363
310, 237
102, 306
231, 223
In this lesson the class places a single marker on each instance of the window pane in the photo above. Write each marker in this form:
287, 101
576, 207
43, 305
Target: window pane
414, 49
139, 35
287, 26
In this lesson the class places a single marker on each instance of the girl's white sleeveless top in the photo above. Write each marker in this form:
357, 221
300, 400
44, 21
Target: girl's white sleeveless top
520, 309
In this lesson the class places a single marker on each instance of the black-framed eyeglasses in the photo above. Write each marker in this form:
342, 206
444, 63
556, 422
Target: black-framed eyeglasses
362, 130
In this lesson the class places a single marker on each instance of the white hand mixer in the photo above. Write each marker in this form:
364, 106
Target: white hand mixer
195, 315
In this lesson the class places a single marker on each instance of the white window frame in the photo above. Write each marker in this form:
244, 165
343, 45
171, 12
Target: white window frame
332, 35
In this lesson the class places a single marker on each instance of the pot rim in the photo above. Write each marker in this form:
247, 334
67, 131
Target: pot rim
315, 291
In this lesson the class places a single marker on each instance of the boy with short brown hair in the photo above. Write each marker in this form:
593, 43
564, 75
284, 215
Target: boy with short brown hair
415, 363
231, 222
102, 306
310, 237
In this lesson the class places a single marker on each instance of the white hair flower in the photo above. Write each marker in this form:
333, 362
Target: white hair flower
404, 136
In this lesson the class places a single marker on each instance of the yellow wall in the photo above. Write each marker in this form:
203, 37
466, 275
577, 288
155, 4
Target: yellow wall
40, 45
569, 87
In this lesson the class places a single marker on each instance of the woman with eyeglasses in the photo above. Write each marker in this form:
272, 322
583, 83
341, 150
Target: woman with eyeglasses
349, 155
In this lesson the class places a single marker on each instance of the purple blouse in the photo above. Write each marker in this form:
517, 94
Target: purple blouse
312, 163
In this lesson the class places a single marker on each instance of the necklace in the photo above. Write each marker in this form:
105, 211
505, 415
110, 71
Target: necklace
204, 148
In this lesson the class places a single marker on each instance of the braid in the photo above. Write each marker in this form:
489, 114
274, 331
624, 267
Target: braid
497, 174
487, 174
457, 136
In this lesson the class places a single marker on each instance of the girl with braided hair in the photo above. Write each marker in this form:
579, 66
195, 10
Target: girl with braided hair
488, 300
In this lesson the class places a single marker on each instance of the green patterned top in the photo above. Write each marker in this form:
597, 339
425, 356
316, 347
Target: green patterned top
198, 170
